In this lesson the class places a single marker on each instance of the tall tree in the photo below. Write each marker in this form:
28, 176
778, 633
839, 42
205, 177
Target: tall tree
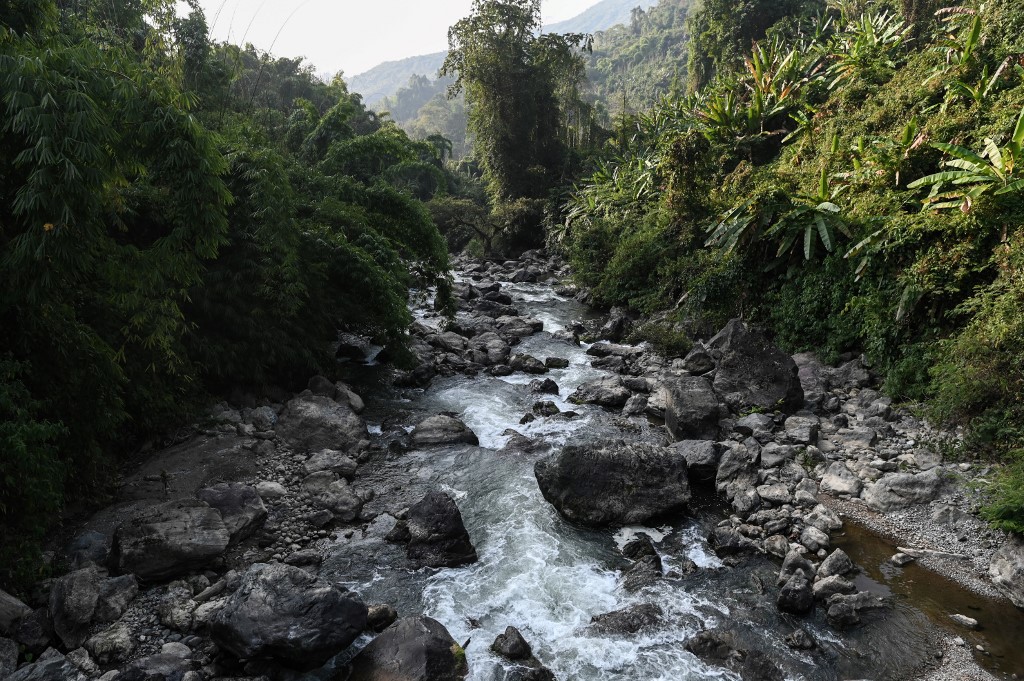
517, 84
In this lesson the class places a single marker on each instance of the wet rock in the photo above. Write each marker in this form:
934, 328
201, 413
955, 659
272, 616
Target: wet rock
796, 595
838, 563
846, 610
800, 640
495, 349
379, 617
331, 460
527, 364
646, 568
901, 559
239, 505
546, 386
1007, 569
546, 408
314, 422
839, 479
284, 613
599, 484
692, 408
112, 645
628, 620
170, 539
556, 363
717, 647
727, 541
442, 430
900, 490
412, 649
964, 621
607, 392
72, 605
51, 666
635, 405
437, 535
512, 646
794, 561
752, 372
701, 457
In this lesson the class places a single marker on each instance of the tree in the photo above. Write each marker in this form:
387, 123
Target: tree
512, 79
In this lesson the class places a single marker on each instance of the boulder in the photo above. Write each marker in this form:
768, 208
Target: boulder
493, 348
545, 386
240, 506
286, 614
8, 657
615, 482
512, 646
11, 610
170, 539
437, 535
839, 479
692, 408
752, 372
441, 430
796, 595
88, 548
556, 363
330, 460
717, 647
698, 360
813, 538
845, 610
380, 616
1007, 569
827, 587
756, 425
112, 645
333, 495
701, 458
838, 563
628, 620
900, 490
727, 541
606, 392
51, 666
412, 649
72, 605
527, 364
315, 422
794, 561
803, 430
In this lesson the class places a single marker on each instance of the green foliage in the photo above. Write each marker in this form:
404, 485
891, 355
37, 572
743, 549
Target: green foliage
666, 339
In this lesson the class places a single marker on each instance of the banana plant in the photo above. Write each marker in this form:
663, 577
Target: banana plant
980, 91
778, 217
973, 175
873, 38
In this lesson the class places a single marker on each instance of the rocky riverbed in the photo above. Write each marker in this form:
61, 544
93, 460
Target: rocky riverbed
537, 499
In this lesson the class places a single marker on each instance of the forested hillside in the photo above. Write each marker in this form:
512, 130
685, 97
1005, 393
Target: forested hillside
178, 220
384, 80
847, 175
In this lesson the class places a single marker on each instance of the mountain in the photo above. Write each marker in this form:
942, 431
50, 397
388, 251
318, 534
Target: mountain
600, 17
384, 80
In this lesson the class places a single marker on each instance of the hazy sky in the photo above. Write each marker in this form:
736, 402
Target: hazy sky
350, 35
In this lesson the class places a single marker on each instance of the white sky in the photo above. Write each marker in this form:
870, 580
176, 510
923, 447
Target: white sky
350, 35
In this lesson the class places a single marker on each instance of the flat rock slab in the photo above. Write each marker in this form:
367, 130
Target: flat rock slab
284, 613
614, 482
170, 539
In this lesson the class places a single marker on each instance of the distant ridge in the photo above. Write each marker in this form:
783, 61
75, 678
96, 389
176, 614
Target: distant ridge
385, 79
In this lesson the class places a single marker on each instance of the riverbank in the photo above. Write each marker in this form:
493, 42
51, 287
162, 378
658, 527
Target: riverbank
333, 484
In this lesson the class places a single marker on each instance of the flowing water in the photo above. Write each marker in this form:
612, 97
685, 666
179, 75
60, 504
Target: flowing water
549, 578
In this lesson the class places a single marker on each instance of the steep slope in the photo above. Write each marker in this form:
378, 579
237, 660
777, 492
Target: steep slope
600, 17
385, 79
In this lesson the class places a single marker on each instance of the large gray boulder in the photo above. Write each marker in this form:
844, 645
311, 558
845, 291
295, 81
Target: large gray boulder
752, 373
315, 422
171, 539
614, 482
285, 614
606, 392
11, 610
240, 507
900, 490
72, 605
692, 408
332, 494
440, 430
839, 479
1007, 569
437, 535
51, 666
411, 649
491, 348
701, 457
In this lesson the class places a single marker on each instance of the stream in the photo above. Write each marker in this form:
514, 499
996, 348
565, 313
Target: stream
547, 577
